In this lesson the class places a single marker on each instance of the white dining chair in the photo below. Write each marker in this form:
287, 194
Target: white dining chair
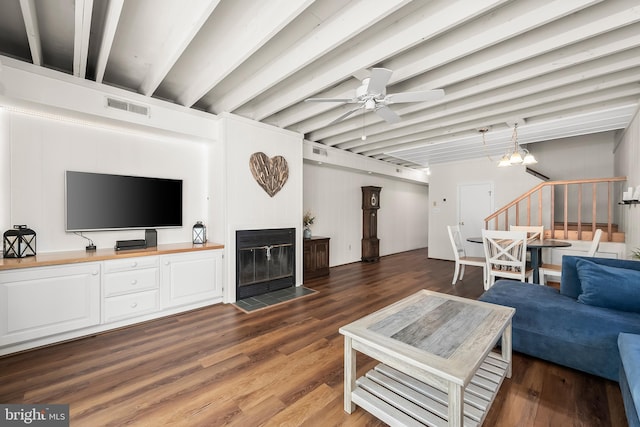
555, 270
461, 257
506, 254
534, 232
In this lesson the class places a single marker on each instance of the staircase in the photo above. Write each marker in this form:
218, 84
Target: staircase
569, 210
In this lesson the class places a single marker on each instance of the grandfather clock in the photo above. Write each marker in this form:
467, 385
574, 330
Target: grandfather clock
370, 206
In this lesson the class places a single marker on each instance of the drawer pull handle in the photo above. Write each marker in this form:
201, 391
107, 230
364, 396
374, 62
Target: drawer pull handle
134, 305
134, 264
134, 282
94, 273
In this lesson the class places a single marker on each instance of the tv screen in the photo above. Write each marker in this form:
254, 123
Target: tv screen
96, 201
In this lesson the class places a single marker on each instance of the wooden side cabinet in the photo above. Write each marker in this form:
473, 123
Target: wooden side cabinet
316, 257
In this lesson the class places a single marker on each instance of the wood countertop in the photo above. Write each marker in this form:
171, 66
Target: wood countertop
72, 257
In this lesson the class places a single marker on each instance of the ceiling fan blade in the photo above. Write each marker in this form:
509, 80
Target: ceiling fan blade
387, 114
419, 96
330, 100
345, 115
378, 81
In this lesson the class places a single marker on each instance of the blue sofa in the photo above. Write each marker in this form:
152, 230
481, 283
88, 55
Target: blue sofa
578, 326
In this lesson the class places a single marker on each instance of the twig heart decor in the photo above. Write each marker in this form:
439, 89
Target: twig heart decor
270, 173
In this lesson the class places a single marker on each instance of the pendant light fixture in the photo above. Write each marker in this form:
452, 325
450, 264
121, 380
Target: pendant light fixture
364, 135
517, 155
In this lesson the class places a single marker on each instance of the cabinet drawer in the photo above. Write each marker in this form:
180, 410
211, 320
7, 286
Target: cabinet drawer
137, 263
131, 305
130, 281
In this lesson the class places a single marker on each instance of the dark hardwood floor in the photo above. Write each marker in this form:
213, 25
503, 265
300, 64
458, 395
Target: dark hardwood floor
278, 366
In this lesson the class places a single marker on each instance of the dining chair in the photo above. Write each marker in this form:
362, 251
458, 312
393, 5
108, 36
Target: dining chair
461, 257
506, 254
555, 270
534, 232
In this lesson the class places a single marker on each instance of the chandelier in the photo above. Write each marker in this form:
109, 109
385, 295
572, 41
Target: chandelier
517, 155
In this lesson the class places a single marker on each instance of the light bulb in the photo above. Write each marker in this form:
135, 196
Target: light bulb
515, 158
504, 161
529, 159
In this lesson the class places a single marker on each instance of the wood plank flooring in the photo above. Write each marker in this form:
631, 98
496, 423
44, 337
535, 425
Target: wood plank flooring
279, 366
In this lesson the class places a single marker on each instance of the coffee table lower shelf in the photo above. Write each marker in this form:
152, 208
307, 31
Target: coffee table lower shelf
400, 400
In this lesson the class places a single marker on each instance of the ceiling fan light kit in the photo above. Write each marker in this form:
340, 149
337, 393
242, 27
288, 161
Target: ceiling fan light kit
371, 95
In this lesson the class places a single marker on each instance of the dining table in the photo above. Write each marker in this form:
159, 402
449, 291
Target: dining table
535, 248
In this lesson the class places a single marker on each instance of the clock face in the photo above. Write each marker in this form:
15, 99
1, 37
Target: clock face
374, 201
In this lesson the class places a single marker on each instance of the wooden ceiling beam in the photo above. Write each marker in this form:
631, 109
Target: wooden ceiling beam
253, 26
114, 10
178, 38
30, 17
348, 23
82, 31
434, 19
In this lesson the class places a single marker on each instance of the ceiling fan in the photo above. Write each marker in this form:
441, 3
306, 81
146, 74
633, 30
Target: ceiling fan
371, 95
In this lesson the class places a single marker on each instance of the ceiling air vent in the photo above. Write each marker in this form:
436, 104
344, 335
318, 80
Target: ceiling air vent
320, 151
119, 104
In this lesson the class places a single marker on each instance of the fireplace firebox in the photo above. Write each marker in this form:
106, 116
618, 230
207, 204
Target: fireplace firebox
265, 261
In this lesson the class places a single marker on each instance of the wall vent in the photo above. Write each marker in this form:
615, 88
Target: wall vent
320, 151
119, 104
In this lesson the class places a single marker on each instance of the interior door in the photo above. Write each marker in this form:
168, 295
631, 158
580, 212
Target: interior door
475, 203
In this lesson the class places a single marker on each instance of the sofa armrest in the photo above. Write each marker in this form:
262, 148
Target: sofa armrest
569, 281
629, 346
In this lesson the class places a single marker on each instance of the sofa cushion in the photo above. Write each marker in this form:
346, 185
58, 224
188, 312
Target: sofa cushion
609, 287
559, 329
570, 283
629, 346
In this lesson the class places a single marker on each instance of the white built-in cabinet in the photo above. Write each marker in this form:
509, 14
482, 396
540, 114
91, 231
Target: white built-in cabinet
186, 278
41, 305
46, 301
131, 288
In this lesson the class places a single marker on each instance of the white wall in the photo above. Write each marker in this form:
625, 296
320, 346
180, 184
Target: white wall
247, 205
334, 197
579, 157
42, 149
627, 161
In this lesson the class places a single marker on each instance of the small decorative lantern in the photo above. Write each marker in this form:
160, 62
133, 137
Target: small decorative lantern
199, 233
19, 242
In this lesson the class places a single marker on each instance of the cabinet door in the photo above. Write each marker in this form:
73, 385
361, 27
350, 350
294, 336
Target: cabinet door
191, 277
309, 257
322, 255
39, 302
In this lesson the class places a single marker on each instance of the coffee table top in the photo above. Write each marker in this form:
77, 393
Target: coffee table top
440, 334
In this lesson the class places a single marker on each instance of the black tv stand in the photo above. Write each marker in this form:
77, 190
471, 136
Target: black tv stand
122, 245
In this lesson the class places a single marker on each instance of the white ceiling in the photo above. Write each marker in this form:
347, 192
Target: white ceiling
567, 67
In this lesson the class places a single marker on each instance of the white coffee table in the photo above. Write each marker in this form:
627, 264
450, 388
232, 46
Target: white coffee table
438, 367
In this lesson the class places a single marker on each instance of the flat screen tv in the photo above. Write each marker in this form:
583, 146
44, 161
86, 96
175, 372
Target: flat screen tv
96, 201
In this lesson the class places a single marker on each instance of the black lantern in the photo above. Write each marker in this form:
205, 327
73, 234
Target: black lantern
19, 242
199, 233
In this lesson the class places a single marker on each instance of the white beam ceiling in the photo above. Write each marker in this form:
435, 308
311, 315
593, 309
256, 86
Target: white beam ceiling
569, 67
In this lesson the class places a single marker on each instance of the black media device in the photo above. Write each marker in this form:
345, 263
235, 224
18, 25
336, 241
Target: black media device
151, 237
123, 245
96, 201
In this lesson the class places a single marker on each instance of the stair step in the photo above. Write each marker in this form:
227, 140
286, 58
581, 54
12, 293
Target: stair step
586, 235
585, 226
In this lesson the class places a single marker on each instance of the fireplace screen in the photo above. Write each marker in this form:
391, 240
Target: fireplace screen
265, 261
